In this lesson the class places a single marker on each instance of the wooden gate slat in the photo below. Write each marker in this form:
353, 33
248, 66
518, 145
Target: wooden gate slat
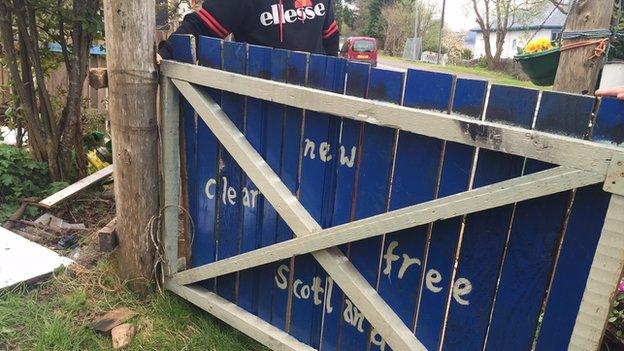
252, 296
230, 176
579, 243
204, 242
469, 97
529, 261
486, 232
316, 192
184, 51
415, 180
374, 171
356, 85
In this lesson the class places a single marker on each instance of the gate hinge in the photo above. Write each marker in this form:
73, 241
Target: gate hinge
614, 183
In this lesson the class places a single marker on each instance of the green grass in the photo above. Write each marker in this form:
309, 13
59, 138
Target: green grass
493, 76
56, 316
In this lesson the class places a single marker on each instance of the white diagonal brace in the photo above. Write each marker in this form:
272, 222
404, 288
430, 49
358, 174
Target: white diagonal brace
519, 189
552, 148
602, 282
252, 326
386, 322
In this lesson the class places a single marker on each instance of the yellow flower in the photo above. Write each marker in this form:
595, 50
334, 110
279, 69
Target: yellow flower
537, 45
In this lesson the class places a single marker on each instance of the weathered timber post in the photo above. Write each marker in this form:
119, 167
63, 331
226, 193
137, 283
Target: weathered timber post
576, 73
130, 30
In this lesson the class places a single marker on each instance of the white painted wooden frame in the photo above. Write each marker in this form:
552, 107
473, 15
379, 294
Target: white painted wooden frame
581, 163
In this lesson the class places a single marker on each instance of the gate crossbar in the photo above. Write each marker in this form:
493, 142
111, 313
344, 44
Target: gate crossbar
385, 321
519, 189
547, 147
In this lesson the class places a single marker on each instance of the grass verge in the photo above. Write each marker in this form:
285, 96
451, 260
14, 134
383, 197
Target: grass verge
56, 315
481, 72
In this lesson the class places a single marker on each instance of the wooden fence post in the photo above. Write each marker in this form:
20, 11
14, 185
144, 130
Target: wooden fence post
577, 73
130, 31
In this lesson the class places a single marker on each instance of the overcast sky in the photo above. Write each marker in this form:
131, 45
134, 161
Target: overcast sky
459, 15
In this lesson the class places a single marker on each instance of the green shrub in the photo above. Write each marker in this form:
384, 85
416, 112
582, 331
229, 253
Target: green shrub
20, 177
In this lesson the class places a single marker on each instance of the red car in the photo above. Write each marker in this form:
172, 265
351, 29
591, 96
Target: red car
360, 49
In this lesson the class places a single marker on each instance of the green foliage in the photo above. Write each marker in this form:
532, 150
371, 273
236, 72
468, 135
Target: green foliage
21, 177
616, 317
431, 38
374, 27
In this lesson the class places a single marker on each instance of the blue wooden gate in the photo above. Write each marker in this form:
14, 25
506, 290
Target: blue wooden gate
342, 207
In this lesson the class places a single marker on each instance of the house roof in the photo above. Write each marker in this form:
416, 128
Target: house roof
551, 18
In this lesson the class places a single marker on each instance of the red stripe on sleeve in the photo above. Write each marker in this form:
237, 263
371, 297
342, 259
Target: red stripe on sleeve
331, 27
213, 24
333, 31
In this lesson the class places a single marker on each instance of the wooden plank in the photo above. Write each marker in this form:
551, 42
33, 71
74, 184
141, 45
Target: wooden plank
276, 136
297, 70
247, 323
604, 277
489, 135
404, 252
254, 285
77, 187
374, 167
457, 167
488, 197
184, 50
229, 176
578, 248
388, 324
170, 107
529, 263
486, 232
318, 169
357, 85
203, 194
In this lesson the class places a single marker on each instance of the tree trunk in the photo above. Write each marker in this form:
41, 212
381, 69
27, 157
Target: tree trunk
576, 73
130, 31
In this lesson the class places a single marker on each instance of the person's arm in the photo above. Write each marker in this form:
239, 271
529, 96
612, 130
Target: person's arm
617, 92
216, 18
331, 33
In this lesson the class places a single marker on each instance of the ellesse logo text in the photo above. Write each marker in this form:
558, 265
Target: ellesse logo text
290, 16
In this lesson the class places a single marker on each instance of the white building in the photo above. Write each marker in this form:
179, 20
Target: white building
550, 25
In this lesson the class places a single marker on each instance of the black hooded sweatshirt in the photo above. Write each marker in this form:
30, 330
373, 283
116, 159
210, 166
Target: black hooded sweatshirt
302, 25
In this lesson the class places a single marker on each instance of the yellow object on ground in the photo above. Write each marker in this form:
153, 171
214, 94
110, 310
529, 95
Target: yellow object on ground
95, 164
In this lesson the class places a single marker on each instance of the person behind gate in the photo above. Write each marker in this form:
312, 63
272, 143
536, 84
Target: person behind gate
302, 25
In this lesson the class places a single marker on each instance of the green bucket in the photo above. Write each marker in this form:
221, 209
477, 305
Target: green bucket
541, 67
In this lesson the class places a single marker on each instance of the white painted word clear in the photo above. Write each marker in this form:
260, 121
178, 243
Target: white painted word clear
229, 195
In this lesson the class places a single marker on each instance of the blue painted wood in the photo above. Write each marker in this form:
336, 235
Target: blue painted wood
579, 244
455, 176
272, 141
318, 171
415, 181
486, 232
610, 122
535, 235
204, 242
229, 182
287, 172
372, 191
258, 65
357, 85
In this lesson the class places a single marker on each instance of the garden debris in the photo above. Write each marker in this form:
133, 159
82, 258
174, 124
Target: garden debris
110, 320
10, 224
122, 335
67, 242
107, 236
77, 187
28, 261
58, 223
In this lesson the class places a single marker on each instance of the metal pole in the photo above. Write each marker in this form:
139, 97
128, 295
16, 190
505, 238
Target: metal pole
441, 32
